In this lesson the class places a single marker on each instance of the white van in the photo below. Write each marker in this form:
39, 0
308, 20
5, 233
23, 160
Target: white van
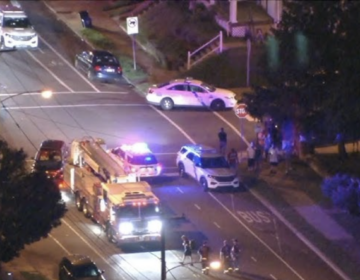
16, 30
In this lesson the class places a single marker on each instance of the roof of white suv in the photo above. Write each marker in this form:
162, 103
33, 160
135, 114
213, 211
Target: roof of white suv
202, 150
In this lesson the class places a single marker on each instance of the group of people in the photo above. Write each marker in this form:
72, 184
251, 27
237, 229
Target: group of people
229, 255
268, 146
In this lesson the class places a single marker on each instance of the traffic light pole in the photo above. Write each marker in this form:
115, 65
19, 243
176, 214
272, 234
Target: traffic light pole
163, 257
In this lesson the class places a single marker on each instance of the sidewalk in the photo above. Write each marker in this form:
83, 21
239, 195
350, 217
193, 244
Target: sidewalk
297, 197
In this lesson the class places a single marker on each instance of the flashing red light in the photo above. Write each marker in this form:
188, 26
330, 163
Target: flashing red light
97, 68
151, 90
119, 69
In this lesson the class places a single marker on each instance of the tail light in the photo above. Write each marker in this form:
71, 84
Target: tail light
119, 69
97, 68
150, 90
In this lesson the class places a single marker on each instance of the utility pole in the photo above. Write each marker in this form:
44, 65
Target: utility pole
163, 257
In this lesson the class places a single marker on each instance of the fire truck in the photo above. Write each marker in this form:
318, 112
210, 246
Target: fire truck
91, 153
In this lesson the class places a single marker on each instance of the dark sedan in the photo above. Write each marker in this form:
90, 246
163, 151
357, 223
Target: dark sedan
101, 65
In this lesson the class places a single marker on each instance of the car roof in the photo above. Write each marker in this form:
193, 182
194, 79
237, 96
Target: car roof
52, 144
78, 259
202, 150
187, 80
101, 53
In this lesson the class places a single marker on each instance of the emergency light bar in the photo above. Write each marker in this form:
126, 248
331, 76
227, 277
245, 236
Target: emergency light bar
137, 148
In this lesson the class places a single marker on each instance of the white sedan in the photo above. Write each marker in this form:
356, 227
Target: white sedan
190, 92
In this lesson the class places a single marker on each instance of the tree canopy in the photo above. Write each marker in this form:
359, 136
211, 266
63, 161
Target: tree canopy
30, 204
311, 67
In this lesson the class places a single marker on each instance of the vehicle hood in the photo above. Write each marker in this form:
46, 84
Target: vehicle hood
221, 172
19, 31
224, 92
48, 165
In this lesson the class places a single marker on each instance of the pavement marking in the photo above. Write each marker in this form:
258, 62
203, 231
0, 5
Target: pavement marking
180, 190
68, 64
217, 225
255, 217
273, 277
170, 174
255, 260
197, 206
50, 72
60, 245
40, 50
71, 106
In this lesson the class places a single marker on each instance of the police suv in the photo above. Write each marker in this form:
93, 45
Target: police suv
137, 158
16, 30
207, 166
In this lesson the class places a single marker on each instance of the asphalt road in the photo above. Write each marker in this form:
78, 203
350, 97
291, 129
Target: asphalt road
118, 114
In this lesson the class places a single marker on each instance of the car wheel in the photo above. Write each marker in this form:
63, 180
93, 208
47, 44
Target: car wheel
167, 104
217, 105
110, 233
85, 209
90, 75
182, 170
78, 203
204, 184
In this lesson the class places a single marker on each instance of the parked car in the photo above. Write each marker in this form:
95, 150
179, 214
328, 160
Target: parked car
50, 158
76, 267
207, 166
190, 92
101, 65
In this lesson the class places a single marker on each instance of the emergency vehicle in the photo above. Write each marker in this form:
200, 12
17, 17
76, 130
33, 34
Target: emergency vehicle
91, 153
137, 158
129, 212
16, 30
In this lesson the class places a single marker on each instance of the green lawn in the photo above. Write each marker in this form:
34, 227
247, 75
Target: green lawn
32, 275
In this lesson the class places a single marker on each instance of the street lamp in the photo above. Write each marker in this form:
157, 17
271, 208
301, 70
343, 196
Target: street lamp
45, 93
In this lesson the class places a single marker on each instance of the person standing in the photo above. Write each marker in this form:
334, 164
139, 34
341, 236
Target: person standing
233, 159
187, 249
251, 156
235, 254
273, 159
225, 256
204, 252
222, 141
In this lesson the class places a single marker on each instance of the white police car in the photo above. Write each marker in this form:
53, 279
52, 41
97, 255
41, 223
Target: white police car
207, 166
137, 158
190, 92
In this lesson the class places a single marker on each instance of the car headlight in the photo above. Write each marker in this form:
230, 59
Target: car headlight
126, 227
211, 176
155, 226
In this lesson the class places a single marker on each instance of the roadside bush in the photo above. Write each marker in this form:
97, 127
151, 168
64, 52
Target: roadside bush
344, 192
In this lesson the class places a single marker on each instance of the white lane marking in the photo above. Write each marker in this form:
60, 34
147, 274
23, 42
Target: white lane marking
165, 154
273, 277
216, 224
232, 127
255, 260
170, 174
50, 72
180, 190
87, 243
71, 106
68, 64
63, 93
60, 245
40, 50
197, 206
257, 237
174, 124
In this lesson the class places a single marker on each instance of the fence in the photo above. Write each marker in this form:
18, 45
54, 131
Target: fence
219, 48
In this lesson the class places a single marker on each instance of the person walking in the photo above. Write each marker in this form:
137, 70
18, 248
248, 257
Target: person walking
235, 254
251, 156
233, 159
187, 249
222, 141
273, 159
225, 256
204, 252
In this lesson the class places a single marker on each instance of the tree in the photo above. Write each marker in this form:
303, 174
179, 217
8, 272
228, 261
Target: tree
30, 204
311, 67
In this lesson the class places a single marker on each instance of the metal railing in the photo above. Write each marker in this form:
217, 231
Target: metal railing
219, 48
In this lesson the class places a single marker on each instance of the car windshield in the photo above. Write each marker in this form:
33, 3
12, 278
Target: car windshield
208, 87
17, 22
86, 270
49, 155
143, 159
106, 60
130, 211
214, 162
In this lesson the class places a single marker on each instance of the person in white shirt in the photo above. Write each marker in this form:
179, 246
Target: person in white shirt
273, 159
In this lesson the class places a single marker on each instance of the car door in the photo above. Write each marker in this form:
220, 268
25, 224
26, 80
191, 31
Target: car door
189, 165
200, 95
81, 60
179, 94
197, 167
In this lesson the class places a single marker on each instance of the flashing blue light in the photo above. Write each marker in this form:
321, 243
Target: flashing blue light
148, 159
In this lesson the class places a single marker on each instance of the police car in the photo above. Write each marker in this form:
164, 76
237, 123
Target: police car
191, 93
137, 158
207, 166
